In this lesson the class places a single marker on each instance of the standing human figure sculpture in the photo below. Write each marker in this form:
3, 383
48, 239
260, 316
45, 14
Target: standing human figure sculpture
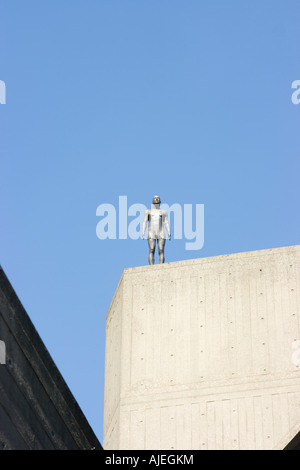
157, 219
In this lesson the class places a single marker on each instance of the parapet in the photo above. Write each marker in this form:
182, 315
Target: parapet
205, 354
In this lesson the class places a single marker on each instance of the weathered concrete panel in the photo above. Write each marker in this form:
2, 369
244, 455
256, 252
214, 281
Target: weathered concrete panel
37, 409
200, 354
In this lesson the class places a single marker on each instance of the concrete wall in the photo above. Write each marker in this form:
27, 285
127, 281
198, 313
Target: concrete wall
205, 354
37, 409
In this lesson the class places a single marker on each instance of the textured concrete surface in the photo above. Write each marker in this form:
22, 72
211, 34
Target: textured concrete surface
204, 354
37, 409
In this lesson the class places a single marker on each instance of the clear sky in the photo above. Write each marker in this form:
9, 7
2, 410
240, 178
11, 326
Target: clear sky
190, 100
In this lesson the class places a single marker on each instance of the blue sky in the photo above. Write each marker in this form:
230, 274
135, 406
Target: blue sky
190, 100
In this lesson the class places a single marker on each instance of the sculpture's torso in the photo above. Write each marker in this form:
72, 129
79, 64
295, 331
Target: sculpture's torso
156, 228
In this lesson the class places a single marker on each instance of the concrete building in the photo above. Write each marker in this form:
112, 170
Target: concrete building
205, 354
37, 409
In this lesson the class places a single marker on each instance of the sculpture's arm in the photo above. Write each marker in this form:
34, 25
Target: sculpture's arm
146, 218
166, 222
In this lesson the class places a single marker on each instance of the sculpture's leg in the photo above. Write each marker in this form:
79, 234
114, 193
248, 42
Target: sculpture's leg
161, 250
151, 243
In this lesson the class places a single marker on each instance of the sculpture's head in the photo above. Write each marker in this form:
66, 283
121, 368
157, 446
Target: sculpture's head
156, 200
